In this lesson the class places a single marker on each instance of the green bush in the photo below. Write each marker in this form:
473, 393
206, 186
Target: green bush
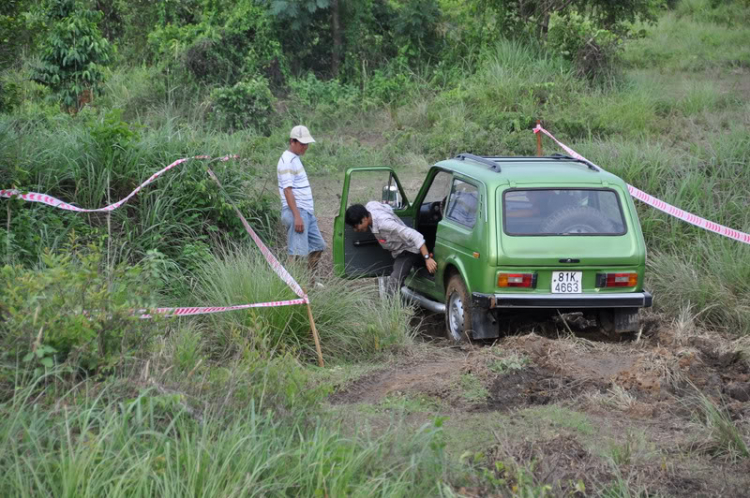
593, 50
74, 310
10, 95
226, 44
247, 104
74, 53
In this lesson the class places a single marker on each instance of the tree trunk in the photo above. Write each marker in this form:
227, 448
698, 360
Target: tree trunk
336, 32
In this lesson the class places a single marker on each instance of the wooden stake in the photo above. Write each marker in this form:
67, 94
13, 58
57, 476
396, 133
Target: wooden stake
7, 234
315, 336
539, 141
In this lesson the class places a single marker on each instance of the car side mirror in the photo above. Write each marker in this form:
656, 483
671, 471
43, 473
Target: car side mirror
391, 196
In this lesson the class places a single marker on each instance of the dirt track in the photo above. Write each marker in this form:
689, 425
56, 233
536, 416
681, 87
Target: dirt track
578, 409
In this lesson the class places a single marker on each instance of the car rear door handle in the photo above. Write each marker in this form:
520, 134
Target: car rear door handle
570, 260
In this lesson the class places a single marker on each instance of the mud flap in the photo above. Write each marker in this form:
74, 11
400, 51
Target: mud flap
483, 324
619, 320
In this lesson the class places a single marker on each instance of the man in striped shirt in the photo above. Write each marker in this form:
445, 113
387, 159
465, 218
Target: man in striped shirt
297, 212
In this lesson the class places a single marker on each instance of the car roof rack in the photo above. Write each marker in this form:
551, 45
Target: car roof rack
556, 156
479, 159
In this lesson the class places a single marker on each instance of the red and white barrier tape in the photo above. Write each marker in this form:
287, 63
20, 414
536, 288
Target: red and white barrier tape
218, 309
277, 267
51, 201
661, 205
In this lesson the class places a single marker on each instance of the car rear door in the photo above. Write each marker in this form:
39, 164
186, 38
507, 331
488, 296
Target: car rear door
569, 232
360, 254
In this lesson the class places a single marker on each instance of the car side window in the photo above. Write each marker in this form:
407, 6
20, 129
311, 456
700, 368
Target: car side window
463, 203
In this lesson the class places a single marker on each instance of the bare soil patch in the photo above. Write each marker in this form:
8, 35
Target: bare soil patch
638, 400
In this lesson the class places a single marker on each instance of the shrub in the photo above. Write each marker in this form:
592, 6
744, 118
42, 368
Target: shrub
10, 95
73, 311
593, 50
74, 53
248, 104
227, 45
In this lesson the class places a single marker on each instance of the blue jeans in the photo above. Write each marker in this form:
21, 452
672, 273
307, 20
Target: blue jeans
305, 242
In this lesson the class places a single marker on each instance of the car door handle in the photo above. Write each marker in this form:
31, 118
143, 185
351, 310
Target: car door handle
570, 260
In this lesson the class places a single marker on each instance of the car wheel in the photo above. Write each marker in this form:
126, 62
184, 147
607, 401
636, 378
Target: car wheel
457, 311
577, 220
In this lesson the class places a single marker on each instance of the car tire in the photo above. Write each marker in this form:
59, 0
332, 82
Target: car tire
577, 220
458, 314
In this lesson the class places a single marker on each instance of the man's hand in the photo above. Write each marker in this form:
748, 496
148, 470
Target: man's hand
299, 225
431, 265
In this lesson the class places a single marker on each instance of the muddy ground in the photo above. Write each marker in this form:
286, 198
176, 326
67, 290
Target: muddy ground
578, 410
577, 413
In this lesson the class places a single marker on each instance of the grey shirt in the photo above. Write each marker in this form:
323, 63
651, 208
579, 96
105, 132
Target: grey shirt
391, 232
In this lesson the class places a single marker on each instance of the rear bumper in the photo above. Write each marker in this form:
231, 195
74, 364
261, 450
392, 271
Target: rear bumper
577, 301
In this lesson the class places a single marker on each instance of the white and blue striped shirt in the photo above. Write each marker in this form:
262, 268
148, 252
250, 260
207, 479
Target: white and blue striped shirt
291, 173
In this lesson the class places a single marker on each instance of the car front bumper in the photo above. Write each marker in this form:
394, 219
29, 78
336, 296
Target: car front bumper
575, 301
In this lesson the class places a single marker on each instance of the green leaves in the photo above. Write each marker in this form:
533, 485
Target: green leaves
73, 311
248, 104
74, 52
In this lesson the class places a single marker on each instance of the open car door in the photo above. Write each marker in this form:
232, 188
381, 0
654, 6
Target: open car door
360, 254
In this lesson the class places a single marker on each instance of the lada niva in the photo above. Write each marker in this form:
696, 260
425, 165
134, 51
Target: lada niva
544, 234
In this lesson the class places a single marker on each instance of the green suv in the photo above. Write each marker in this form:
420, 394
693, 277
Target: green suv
542, 234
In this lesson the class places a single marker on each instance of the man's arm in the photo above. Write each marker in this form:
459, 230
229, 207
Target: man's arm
413, 238
299, 225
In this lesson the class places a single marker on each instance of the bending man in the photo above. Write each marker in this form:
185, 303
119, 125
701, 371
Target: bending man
405, 244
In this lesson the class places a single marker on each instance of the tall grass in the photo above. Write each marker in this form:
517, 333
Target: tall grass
94, 159
729, 439
691, 43
353, 322
83, 446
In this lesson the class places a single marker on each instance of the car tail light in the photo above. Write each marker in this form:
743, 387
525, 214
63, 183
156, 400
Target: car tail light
616, 279
516, 280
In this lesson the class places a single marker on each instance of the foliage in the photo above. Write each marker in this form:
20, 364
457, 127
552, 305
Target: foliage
73, 311
226, 46
509, 364
17, 30
247, 104
296, 13
10, 95
593, 50
534, 17
74, 53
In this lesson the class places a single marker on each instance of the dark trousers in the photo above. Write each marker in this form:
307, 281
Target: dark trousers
402, 265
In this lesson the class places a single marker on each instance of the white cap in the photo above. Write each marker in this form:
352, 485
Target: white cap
301, 134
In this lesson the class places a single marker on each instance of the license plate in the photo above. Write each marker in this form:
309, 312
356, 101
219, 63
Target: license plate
567, 282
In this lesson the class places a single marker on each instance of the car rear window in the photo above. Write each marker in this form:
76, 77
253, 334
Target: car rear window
562, 212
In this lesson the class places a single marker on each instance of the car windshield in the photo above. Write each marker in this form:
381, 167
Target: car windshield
562, 212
